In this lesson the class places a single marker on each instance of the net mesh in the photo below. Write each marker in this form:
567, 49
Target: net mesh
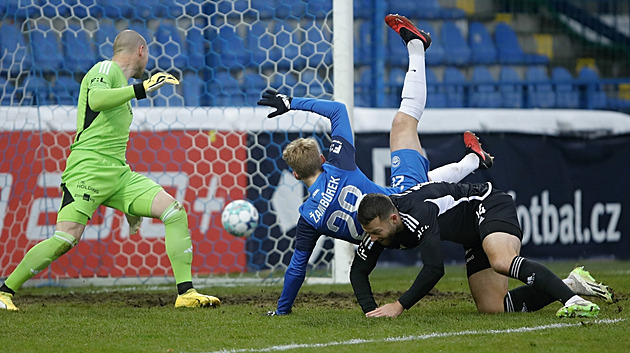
203, 141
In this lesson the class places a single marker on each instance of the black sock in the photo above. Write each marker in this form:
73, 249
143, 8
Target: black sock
183, 287
540, 278
526, 299
6, 289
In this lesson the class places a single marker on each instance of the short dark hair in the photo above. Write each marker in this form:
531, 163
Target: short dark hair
374, 205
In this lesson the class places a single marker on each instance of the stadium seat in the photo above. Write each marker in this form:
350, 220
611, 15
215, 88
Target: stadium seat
363, 90
540, 93
7, 90
595, 95
195, 47
456, 49
192, 89
567, 94
363, 44
37, 91
393, 87
511, 88
45, 48
104, 37
435, 54
226, 89
254, 84
509, 49
78, 52
484, 93
169, 47
167, 96
117, 8
436, 98
13, 50
65, 91
454, 87
482, 49
426, 9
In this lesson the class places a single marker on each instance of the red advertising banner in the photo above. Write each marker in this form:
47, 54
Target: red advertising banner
201, 169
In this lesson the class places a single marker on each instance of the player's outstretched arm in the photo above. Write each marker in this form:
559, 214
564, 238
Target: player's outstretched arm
108, 98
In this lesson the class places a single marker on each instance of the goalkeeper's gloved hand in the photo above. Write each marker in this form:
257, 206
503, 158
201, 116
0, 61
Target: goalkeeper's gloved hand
158, 80
134, 223
154, 82
273, 99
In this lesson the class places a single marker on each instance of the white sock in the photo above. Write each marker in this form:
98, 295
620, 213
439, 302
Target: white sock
455, 172
414, 91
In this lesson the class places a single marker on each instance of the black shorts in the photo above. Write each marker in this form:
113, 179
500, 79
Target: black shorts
497, 214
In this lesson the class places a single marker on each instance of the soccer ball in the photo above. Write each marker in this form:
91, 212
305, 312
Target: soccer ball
239, 218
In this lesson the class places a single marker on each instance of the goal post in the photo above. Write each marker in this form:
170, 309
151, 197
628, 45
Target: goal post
204, 141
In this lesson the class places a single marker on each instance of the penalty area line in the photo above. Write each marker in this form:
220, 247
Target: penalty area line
419, 337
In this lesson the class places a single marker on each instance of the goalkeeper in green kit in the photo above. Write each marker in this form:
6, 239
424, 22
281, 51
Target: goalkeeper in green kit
97, 174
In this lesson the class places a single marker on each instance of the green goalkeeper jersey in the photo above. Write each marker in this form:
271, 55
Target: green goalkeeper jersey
104, 112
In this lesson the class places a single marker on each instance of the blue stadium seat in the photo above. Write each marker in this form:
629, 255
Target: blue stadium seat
315, 47
394, 84
363, 89
567, 94
117, 8
457, 51
167, 96
18, 9
254, 84
80, 8
196, 47
65, 91
229, 50
482, 49
484, 93
436, 97
79, 54
37, 91
46, 49
363, 44
426, 9
13, 49
52, 8
170, 46
7, 89
226, 89
540, 92
595, 95
192, 89
511, 88
509, 49
454, 86
436, 53
104, 37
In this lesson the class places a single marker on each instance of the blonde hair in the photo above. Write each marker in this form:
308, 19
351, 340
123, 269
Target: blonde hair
303, 156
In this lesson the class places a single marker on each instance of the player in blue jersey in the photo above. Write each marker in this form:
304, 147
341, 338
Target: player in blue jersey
336, 185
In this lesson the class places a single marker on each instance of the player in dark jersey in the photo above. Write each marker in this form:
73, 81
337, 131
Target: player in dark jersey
97, 174
336, 185
480, 218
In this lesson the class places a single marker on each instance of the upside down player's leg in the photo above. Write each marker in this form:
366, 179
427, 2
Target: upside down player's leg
404, 130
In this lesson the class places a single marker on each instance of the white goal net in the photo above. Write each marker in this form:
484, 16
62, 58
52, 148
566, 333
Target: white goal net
204, 140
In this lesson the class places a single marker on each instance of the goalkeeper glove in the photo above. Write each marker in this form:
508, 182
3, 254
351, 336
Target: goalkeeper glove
154, 82
273, 99
134, 223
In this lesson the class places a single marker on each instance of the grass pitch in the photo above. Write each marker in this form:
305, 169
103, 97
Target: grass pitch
326, 318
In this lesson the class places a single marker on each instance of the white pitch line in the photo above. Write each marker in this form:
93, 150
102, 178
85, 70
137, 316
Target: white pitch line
416, 338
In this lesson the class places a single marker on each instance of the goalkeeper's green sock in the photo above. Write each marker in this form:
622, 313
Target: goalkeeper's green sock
178, 243
39, 257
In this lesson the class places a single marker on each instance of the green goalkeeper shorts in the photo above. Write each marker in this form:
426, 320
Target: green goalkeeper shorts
91, 179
